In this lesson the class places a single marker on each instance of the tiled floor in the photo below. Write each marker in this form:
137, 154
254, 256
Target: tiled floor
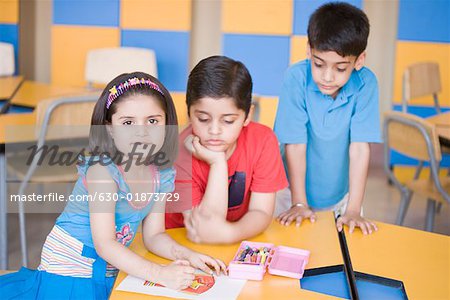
381, 204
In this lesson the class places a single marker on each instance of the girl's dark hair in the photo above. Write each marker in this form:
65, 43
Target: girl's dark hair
220, 77
100, 141
339, 27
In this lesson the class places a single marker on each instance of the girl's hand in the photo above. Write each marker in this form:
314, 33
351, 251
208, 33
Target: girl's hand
177, 275
354, 219
297, 213
206, 263
192, 144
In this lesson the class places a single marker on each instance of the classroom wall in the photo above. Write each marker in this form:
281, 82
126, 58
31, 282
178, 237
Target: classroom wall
423, 35
81, 25
9, 25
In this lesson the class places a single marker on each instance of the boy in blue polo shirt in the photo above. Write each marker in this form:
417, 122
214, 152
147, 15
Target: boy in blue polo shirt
327, 116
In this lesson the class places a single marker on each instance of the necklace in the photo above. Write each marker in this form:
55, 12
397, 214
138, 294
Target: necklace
138, 205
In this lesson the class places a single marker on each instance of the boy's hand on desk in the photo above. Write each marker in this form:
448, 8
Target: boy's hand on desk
203, 227
354, 219
192, 144
298, 214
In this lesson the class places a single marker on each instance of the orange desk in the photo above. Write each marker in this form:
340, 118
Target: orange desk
442, 122
320, 238
8, 86
418, 258
31, 92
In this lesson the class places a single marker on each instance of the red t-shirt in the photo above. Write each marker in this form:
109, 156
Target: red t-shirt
254, 166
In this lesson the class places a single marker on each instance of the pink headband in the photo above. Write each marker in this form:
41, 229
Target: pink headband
118, 90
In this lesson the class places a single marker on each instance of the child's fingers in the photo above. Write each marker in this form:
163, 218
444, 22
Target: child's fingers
188, 143
313, 217
213, 263
374, 226
223, 266
351, 226
205, 268
298, 221
339, 223
181, 262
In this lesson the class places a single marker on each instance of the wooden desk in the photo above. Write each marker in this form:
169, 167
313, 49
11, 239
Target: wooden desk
442, 122
418, 258
320, 238
31, 92
8, 85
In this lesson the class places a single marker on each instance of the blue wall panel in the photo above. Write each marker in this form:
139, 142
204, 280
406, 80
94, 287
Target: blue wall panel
266, 57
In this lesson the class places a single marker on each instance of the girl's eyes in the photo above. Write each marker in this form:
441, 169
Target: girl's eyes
202, 120
151, 121
229, 122
341, 70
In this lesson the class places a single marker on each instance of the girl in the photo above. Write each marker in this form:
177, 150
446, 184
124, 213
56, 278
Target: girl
134, 118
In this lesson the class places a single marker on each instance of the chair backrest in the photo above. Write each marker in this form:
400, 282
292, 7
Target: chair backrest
421, 79
412, 136
7, 66
68, 117
102, 65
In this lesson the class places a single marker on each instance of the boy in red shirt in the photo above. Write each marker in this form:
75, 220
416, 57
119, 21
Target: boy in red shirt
229, 168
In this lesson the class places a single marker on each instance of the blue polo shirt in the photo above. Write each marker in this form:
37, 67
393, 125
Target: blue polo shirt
327, 126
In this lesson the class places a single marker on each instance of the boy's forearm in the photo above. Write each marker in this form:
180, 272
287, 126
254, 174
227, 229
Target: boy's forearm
296, 161
359, 166
251, 224
215, 198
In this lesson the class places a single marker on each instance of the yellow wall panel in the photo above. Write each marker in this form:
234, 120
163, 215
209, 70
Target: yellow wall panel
156, 14
298, 48
258, 17
267, 110
179, 100
413, 52
9, 11
70, 45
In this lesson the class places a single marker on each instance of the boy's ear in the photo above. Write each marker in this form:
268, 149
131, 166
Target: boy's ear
308, 51
359, 63
250, 115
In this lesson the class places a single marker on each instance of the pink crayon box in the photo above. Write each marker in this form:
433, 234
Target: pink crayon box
253, 258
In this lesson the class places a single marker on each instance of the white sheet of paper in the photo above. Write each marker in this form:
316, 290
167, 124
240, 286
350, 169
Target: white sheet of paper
224, 288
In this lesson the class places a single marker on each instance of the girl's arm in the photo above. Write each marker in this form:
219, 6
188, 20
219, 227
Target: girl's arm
359, 166
158, 242
102, 223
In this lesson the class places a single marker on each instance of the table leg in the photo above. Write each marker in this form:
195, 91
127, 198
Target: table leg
3, 214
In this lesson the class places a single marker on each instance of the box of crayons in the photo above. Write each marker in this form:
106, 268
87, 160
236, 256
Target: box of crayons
253, 258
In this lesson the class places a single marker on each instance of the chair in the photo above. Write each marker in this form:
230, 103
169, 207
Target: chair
415, 137
65, 114
421, 79
102, 65
7, 66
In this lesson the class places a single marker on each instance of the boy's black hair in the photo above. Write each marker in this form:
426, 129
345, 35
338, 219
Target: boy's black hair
220, 77
101, 143
339, 27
